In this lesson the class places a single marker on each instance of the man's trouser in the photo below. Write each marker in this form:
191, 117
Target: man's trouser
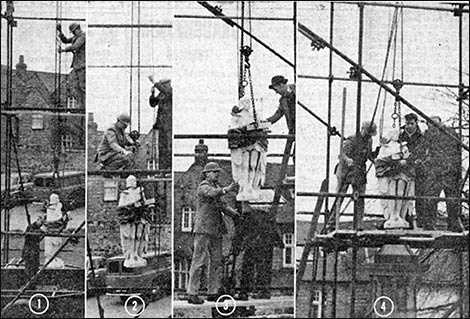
359, 208
118, 161
164, 148
205, 246
449, 183
78, 78
257, 268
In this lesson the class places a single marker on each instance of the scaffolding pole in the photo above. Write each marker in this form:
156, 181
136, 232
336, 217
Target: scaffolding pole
313, 36
319, 77
232, 23
32, 279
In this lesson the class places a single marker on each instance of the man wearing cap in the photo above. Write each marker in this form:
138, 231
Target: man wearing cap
113, 151
78, 74
357, 149
209, 227
286, 102
164, 101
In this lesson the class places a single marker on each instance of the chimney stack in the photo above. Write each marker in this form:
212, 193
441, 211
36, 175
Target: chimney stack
21, 68
200, 153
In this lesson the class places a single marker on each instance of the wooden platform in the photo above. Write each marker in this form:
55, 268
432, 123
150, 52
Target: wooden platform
275, 302
343, 239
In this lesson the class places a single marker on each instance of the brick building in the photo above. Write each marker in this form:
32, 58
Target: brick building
42, 136
417, 281
185, 208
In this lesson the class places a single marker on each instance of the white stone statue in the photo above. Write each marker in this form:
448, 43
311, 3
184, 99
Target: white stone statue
54, 223
248, 153
134, 220
395, 177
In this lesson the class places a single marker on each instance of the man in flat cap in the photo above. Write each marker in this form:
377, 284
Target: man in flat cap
286, 102
209, 227
164, 101
357, 149
78, 74
115, 148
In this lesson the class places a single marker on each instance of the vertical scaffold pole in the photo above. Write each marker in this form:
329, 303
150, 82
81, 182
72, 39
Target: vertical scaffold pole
352, 313
328, 142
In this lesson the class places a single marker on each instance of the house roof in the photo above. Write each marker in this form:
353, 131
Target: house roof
34, 82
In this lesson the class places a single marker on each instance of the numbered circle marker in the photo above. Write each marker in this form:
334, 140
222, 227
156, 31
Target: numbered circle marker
38, 304
384, 306
225, 305
134, 306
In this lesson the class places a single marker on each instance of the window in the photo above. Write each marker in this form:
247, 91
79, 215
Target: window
316, 304
37, 122
110, 191
182, 274
66, 141
187, 219
288, 257
151, 164
71, 102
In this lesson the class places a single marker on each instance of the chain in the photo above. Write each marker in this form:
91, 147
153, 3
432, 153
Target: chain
247, 80
397, 84
250, 82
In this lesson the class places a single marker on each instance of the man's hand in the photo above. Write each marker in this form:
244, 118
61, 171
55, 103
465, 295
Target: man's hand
232, 187
59, 27
349, 161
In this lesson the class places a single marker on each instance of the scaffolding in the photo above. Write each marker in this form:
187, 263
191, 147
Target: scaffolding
341, 240
10, 112
242, 23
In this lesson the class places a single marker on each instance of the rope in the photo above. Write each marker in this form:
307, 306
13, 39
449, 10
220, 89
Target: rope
138, 68
392, 33
130, 63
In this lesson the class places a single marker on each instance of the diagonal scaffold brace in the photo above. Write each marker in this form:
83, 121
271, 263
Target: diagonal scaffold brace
217, 12
32, 279
314, 37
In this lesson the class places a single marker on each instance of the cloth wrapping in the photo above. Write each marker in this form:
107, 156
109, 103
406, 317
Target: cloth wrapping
248, 147
134, 218
395, 177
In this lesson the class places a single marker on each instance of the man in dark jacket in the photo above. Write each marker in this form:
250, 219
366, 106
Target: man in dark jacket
286, 102
78, 74
113, 151
443, 163
209, 227
412, 135
31, 249
258, 237
357, 149
164, 101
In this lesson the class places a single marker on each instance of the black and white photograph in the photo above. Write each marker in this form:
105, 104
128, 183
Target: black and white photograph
43, 159
238, 159
129, 180
234, 131
382, 196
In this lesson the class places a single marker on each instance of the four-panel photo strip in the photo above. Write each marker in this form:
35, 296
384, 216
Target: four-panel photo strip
234, 159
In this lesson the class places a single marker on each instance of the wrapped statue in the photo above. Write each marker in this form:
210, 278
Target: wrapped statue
54, 224
134, 217
248, 146
395, 177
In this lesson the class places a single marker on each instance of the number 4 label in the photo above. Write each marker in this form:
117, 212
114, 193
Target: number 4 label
384, 306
